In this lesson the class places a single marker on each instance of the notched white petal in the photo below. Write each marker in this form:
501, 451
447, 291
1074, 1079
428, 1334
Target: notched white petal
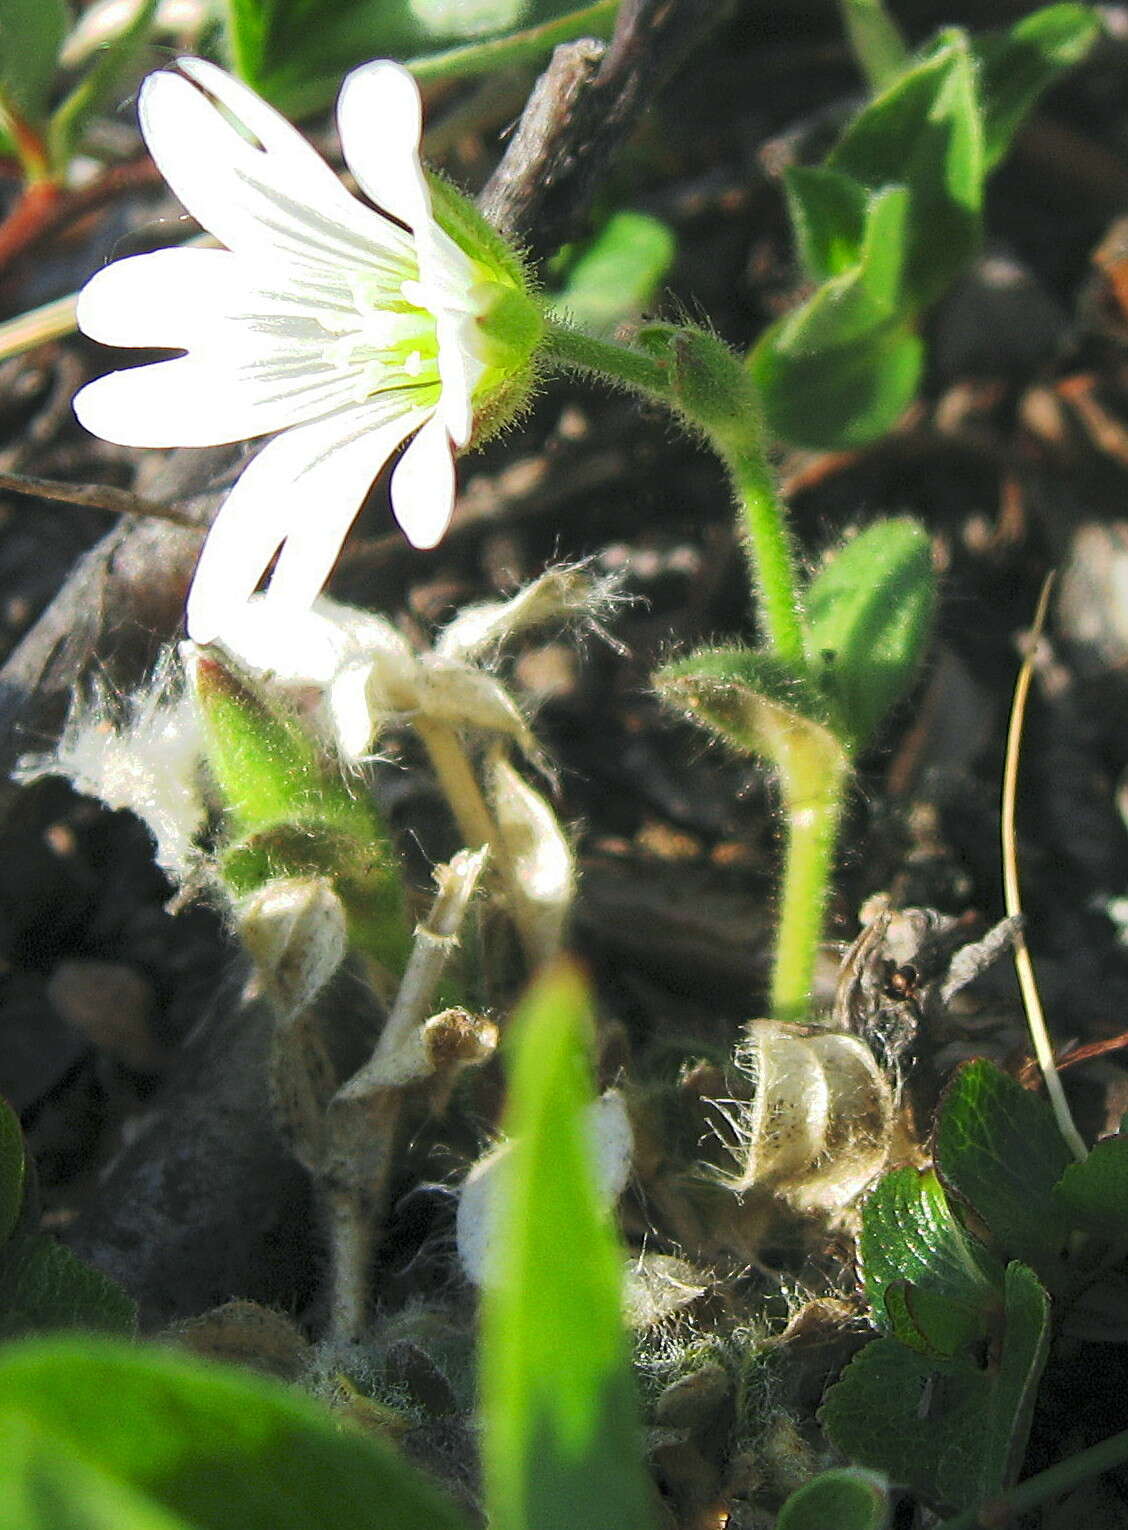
380, 120
309, 485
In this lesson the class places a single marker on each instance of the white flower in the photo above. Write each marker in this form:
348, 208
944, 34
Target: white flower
323, 319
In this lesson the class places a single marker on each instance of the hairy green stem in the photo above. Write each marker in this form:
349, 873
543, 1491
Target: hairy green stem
769, 548
573, 349
1052, 1483
703, 382
813, 807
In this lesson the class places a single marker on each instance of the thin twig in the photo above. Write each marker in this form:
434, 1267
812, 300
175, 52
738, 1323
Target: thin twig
97, 496
1035, 1018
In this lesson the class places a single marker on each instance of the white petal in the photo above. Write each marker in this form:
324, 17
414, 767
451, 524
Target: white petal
302, 490
159, 299
423, 486
380, 120
187, 402
212, 300
458, 371
296, 647
281, 199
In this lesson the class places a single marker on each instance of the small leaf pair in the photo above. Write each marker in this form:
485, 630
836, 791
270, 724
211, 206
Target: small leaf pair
891, 219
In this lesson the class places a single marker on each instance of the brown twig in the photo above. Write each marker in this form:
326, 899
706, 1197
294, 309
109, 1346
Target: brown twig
580, 113
96, 496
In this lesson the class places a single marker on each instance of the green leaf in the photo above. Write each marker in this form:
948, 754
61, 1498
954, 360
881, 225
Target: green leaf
1095, 1193
757, 704
43, 1285
615, 276
926, 132
909, 1235
13, 1168
1016, 66
562, 1445
847, 1498
838, 399
295, 52
932, 1324
828, 214
176, 1442
954, 1431
31, 35
869, 618
101, 79
46, 1489
839, 370
997, 1147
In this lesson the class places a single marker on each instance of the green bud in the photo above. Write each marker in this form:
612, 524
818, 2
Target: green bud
711, 385
293, 813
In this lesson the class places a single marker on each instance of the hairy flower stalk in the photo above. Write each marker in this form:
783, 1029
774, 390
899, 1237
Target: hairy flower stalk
348, 329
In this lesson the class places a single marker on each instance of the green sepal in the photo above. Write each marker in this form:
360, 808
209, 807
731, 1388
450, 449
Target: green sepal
925, 132
365, 876
758, 705
839, 371
1017, 65
869, 619
292, 811
955, 1429
847, 1497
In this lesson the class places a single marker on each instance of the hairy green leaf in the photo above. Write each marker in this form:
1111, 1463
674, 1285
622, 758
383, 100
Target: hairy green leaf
839, 370
757, 704
954, 1430
561, 1445
869, 618
168, 1442
828, 213
997, 1147
848, 1498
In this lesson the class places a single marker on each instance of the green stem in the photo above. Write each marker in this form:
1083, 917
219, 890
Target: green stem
603, 358
875, 39
729, 420
1052, 1483
813, 793
768, 545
